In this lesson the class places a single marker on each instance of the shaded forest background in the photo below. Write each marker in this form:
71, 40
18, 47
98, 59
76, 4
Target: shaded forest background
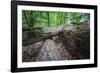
71, 29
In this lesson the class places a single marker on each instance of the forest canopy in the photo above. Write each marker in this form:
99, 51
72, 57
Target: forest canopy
52, 19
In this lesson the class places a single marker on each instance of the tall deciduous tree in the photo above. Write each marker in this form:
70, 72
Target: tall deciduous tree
48, 18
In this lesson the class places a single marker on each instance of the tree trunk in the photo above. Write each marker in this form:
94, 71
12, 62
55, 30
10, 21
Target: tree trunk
31, 18
61, 18
48, 19
26, 17
48, 52
47, 36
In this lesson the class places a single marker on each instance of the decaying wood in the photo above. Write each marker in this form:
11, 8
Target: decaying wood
78, 41
47, 36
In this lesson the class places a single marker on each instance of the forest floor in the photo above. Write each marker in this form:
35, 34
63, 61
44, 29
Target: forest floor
59, 47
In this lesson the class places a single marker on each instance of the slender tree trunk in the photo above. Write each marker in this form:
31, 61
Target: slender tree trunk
48, 19
61, 18
26, 18
31, 18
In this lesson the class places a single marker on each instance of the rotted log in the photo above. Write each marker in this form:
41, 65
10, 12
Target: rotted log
78, 41
47, 36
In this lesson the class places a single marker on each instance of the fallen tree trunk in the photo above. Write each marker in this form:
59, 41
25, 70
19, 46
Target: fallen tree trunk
28, 29
78, 42
49, 52
46, 36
